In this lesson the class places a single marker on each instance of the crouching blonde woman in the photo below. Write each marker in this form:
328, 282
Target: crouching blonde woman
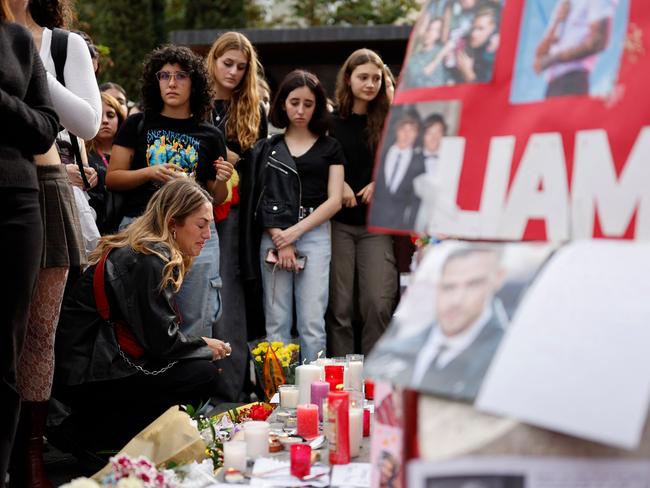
121, 358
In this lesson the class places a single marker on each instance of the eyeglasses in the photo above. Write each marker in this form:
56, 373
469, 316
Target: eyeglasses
179, 76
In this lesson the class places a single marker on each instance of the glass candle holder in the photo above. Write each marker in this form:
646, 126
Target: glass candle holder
288, 396
257, 438
334, 376
354, 376
234, 455
356, 421
300, 460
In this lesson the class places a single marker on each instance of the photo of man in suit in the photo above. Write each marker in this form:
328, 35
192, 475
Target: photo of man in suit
470, 321
396, 204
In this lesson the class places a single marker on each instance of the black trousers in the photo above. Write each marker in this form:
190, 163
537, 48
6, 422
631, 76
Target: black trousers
571, 83
21, 243
107, 414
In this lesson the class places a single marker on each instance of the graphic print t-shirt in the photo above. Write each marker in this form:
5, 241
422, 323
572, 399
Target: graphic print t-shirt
187, 143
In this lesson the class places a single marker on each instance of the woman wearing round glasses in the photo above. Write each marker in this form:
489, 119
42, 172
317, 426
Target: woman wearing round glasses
171, 140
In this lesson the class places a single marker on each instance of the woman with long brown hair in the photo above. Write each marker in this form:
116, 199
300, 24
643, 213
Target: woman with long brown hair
29, 126
357, 253
233, 67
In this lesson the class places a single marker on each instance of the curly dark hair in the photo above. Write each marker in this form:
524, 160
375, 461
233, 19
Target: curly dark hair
201, 94
321, 120
52, 13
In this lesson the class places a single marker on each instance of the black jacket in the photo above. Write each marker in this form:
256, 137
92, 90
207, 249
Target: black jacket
86, 345
280, 191
271, 200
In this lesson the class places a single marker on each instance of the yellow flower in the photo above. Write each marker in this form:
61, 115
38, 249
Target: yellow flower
264, 345
276, 345
258, 359
256, 351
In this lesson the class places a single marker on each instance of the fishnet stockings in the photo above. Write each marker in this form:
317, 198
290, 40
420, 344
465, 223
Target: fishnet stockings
36, 364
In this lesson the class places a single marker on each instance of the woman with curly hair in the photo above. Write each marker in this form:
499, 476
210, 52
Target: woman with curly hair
358, 255
170, 140
118, 376
233, 67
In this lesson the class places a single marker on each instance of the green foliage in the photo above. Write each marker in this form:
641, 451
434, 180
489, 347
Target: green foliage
352, 12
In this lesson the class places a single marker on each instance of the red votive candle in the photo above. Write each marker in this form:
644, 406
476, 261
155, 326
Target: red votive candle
366, 422
334, 375
307, 423
300, 460
370, 389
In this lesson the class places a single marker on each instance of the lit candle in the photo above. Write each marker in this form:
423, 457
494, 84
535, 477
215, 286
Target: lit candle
288, 396
354, 373
234, 455
257, 438
306, 374
308, 421
319, 391
300, 460
356, 431
334, 376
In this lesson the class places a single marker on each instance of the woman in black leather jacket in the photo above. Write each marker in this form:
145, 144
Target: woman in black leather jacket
119, 374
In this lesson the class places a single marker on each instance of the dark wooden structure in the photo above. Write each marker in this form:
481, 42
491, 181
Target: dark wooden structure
320, 50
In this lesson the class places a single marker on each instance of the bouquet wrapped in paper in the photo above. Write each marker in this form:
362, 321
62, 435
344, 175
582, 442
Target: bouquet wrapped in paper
275, 364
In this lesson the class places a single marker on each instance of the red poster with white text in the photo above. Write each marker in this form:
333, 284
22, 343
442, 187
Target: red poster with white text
520, 120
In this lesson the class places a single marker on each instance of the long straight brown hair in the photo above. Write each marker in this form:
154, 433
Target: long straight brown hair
377, 108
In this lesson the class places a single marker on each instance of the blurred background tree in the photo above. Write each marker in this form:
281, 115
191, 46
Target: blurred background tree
126, 30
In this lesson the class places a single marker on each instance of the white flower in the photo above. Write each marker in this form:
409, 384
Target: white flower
129, 482
81, 483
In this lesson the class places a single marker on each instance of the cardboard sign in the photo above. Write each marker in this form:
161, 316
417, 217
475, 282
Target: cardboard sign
520, 120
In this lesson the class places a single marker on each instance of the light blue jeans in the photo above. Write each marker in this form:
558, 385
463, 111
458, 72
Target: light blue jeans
199, 299
309, 288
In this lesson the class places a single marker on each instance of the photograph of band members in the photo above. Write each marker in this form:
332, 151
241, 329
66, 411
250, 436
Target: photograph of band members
410, 149
454, 41
454, 315
569, 47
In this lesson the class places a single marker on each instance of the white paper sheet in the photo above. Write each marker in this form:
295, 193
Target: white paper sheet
351, 475
577, 356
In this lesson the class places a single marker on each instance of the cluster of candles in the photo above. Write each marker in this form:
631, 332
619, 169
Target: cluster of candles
331, 391
328, 391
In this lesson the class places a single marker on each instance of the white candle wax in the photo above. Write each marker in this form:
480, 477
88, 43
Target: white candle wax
289, 397
234, 455
355, 375
356, 431
306, 374
257, 438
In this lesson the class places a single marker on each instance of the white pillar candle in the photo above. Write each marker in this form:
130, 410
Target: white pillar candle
356, 431
257, 438
306, 374
354, 375
234, 455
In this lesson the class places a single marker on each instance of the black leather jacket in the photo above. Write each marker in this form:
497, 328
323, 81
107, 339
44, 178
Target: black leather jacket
280, 190
86, 345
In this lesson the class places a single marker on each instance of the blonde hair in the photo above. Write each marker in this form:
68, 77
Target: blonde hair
244, 116
175, 201
377, 107
112, 102
5, 11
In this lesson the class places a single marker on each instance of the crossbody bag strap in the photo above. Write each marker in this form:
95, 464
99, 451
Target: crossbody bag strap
127, 343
